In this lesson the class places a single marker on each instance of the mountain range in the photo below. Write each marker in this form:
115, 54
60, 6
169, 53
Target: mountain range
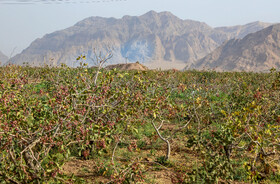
152, 37
256, 52
3, 58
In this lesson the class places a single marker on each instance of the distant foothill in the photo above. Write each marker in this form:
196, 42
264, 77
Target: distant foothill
257, 52
3, 58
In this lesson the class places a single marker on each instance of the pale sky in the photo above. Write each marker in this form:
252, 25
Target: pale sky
22, 23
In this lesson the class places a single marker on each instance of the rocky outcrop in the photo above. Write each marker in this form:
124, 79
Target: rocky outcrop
128, 66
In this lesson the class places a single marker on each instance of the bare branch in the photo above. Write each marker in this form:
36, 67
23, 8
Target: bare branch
164, 139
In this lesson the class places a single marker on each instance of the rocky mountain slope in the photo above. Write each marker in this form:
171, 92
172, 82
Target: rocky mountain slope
147, 38
256, 52
241, 31
3, 58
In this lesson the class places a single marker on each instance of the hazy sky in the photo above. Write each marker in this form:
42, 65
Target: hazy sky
24, 21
